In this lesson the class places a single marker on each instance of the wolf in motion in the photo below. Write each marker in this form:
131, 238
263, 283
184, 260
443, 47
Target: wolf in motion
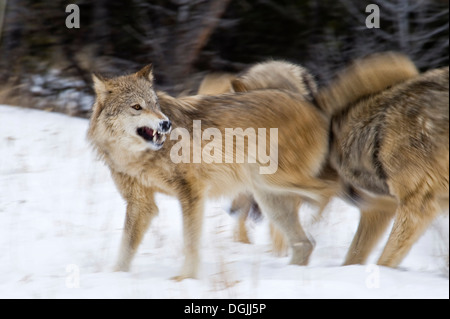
388, 147
272, 74
129, 129
389, 138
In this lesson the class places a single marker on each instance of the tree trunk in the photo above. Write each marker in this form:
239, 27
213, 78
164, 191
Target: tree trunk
100, 28
192, 36
11, 45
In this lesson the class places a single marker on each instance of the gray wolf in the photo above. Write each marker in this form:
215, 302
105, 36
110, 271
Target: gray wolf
129, 130
389, 138
388, 148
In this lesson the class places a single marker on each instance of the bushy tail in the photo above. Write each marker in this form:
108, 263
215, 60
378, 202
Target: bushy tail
364, 77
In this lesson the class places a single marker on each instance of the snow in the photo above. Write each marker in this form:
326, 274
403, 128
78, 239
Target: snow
61, 222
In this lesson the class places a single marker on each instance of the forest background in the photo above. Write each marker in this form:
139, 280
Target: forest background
46, 65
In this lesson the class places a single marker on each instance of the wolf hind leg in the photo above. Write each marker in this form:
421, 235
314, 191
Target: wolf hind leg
279, 245
282, 210
241, 205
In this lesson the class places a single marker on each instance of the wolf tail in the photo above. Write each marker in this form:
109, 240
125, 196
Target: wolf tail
364, 77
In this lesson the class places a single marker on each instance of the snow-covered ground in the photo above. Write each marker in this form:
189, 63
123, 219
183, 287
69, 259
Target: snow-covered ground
61, 221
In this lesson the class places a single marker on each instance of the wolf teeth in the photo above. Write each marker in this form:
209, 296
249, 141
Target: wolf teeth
157, 137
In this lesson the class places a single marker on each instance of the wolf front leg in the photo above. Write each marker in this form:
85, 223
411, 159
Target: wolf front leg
372, 224
412, 219
192, 205
141, 209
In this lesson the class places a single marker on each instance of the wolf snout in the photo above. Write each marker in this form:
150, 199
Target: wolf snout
165, 126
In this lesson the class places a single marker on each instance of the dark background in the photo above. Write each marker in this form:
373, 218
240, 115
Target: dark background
43, 64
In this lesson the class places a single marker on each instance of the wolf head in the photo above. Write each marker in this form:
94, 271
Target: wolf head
127, 113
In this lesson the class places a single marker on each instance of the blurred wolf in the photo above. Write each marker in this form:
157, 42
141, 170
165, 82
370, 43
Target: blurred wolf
378, 106
273, 74
129, 128
389, 137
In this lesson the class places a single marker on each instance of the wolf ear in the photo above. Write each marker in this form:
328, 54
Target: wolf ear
146, 72
238, 86
99, 82
100, 86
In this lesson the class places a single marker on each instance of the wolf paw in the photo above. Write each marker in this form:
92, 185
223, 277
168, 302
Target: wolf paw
121, 267
301, 252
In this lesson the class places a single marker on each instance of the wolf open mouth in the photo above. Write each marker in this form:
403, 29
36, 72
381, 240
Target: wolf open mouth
152, 136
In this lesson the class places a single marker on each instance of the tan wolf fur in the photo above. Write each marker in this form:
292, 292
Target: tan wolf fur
274, 74
390, 137
374, 76
126, 131
216, 83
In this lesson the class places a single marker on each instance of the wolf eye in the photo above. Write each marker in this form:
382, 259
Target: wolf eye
137, 107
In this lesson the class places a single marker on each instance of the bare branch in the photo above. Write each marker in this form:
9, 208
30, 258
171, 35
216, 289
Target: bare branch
353, 9
284, 11
433, 18
2, 15
428, 35
158, 9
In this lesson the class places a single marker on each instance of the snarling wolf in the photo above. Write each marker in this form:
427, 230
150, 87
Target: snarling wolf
129, 129
389, 138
